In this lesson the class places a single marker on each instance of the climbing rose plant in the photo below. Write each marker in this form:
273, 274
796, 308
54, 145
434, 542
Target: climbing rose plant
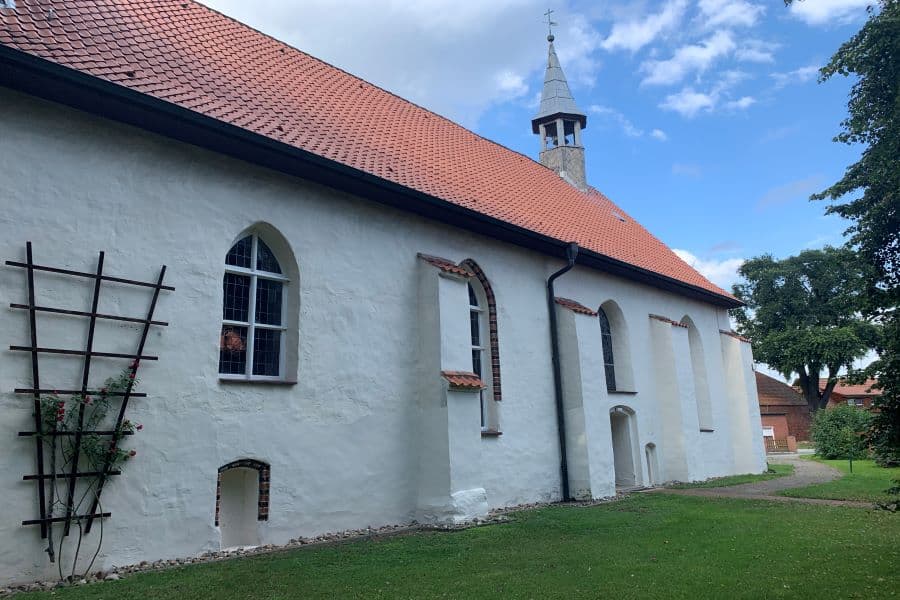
95, 453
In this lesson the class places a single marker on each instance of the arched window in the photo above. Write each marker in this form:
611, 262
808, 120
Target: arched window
485, 347
701, 384
252, 342
609, 363
616, 351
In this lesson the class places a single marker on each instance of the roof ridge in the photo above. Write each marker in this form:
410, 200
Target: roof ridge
200, 60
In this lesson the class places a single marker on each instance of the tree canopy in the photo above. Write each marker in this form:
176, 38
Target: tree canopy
802, 315
869, 195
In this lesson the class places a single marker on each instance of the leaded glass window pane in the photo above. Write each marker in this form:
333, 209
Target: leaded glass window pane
609, 364
266, 352
475, 321
473, 298
236, 303
476, 362
233, 350
265, 260
240, 253
268, 301
255, 299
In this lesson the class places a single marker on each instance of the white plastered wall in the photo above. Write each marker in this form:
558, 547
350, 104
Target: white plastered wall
343, 442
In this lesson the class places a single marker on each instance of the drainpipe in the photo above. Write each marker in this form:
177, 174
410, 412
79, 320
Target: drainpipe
571, 253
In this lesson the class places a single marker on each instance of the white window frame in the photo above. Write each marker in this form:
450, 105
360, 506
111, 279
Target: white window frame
252, 325
484, 348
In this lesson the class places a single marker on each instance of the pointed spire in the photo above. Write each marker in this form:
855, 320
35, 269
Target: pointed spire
556, 98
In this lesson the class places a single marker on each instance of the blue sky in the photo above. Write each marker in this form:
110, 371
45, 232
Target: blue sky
705, 120
730, 179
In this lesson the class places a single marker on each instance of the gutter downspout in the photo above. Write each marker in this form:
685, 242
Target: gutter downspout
571, 253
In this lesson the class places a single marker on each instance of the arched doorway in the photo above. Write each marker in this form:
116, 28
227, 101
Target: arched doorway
624, 443
242, 499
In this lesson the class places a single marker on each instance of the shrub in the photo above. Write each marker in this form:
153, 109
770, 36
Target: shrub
840, 432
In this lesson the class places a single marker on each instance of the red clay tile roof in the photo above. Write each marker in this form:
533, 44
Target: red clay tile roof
772, 392
463, 380
185, 53
575, 306
448, 266
845, 389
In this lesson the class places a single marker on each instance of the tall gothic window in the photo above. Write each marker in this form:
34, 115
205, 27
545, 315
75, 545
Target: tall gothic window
485, 345
480, 352
252, 342
609, 363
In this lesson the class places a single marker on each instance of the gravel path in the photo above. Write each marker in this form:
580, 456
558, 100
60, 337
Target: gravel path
806, 472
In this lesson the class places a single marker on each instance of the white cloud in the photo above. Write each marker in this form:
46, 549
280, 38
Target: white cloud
624, 123
687, 59
634, 34
723, 272
688, 102
730, 13
445, 55
576, 49
757, 51
511, 84
741, 103
827, 12
801, 75
621, 120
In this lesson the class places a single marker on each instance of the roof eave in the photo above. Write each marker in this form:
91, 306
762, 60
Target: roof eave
49, 80
535, 122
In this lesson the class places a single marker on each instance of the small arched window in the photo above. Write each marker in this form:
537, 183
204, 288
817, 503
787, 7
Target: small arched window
609, 363
252, 342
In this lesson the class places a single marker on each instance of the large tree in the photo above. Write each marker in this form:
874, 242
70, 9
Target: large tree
869, 195
802, 316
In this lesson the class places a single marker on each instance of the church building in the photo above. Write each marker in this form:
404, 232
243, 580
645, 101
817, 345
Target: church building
368, 315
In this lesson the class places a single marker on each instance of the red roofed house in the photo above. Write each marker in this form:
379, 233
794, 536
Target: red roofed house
784, 412
861, 394
378, 316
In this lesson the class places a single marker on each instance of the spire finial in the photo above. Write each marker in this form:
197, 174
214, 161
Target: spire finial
550, 24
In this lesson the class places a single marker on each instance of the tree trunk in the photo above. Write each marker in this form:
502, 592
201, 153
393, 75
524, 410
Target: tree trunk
809, 390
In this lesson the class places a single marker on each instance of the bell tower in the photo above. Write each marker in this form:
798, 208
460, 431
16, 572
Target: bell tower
559, 123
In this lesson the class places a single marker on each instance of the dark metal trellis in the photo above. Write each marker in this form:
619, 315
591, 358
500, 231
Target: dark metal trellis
46, 518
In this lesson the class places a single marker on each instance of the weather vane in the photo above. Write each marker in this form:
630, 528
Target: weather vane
550, 24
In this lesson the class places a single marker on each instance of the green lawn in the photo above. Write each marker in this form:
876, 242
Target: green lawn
867, 483
774, 472
646, 546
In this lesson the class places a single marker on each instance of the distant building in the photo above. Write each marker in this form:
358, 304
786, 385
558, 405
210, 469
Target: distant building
783, 411
861, 395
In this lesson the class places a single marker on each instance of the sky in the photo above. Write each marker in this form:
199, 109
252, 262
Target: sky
705, 119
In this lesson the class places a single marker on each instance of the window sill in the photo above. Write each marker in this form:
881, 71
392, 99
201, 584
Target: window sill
626, 392
230, 380
491, 433
704, 430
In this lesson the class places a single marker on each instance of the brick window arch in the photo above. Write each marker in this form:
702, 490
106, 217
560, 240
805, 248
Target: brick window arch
471, 266
262, 511
492, 374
